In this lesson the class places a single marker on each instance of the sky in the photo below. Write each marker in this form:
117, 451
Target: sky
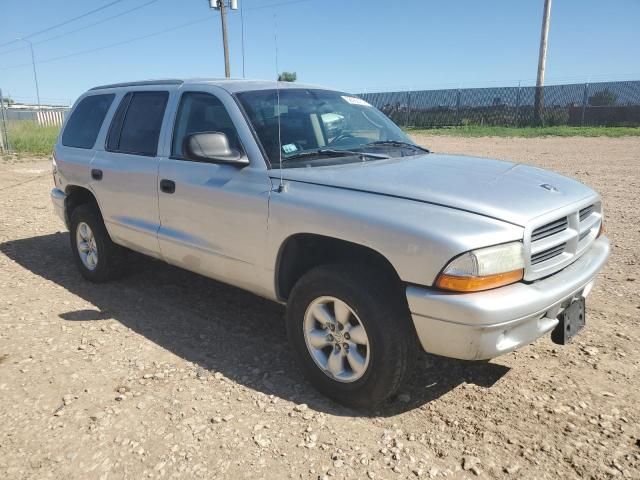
351, 45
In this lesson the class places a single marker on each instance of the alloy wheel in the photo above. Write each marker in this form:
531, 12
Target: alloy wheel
87, 247
336, 339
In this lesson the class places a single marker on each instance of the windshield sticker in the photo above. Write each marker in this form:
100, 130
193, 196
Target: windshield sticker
355, 101
289, 148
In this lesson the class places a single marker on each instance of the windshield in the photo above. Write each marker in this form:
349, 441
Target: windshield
320, 127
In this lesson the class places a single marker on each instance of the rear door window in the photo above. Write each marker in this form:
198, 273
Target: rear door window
84, 124
136, 126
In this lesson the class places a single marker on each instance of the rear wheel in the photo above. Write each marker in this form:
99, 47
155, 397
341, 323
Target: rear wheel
352, 333
98, 259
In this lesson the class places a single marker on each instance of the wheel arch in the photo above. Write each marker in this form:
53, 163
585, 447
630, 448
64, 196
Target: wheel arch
301, 252
76, 196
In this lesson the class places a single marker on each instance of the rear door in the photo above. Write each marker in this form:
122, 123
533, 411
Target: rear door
125, 172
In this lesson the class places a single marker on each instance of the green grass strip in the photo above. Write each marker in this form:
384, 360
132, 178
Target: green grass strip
528, 132
29, 138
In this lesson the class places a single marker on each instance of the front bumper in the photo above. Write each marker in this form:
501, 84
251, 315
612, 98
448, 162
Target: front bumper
482, 325
58, 198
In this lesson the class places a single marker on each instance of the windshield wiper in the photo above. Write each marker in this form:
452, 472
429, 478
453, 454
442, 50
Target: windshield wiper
329, 152
396, 143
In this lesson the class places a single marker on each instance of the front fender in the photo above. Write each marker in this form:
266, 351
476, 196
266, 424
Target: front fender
417, 238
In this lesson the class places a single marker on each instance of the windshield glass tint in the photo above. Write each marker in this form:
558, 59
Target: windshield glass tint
312, 120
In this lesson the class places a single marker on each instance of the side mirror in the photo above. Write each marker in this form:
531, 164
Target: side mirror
211, 147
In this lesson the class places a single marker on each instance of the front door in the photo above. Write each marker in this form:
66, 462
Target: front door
213, 216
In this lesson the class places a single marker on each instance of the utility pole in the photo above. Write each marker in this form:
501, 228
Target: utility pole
242, 37
35, 73
221, 5
542, 60
223, 18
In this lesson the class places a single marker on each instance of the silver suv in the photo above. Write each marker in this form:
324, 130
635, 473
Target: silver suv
313, 198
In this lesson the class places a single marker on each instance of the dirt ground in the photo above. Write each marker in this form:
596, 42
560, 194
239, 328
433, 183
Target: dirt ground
168, 374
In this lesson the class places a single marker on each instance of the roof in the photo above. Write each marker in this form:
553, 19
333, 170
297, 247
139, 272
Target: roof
230, 84
138, 84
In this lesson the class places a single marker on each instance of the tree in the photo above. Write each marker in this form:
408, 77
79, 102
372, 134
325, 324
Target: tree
8, 100
603, 98
287, 77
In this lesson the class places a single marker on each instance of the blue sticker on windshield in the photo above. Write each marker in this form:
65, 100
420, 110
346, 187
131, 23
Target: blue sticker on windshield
289, 148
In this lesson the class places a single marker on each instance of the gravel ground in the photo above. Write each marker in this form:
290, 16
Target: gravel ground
168, 374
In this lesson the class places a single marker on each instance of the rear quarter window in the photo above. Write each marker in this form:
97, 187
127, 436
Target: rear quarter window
86, 119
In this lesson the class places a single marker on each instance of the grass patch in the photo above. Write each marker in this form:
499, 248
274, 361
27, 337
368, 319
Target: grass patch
528, 132
29, 138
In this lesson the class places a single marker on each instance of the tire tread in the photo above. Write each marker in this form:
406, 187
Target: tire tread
111, 257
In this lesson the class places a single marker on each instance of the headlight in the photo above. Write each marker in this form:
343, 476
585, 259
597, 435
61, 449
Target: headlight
484, 268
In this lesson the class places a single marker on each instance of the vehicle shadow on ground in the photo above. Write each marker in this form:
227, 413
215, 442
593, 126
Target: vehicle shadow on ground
221, 328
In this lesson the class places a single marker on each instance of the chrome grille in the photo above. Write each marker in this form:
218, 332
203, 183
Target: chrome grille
585, 212
549, 229
547, 254
555, 242
584, 234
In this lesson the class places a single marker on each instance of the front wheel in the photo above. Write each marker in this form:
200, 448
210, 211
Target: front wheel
351, 333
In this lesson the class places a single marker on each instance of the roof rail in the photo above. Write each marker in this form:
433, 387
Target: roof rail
140, 84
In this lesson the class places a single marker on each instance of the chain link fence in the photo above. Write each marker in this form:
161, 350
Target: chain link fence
579, 104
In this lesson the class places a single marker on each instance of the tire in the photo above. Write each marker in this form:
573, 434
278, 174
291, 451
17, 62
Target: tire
379, 307
109, 261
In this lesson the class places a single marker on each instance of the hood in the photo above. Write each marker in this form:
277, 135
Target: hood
507, 191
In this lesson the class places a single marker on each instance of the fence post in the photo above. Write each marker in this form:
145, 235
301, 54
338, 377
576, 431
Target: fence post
584, 103
458, 107
406, 117
538, 106
4, 137
517, 119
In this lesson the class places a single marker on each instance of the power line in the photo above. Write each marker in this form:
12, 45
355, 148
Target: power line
55, 37
91, 12
131, 40
124, 42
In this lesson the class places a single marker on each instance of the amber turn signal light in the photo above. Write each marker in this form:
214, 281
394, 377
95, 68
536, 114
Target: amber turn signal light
477, 284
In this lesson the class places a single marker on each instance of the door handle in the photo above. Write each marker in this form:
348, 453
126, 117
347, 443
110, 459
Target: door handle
167, 186
96, 174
